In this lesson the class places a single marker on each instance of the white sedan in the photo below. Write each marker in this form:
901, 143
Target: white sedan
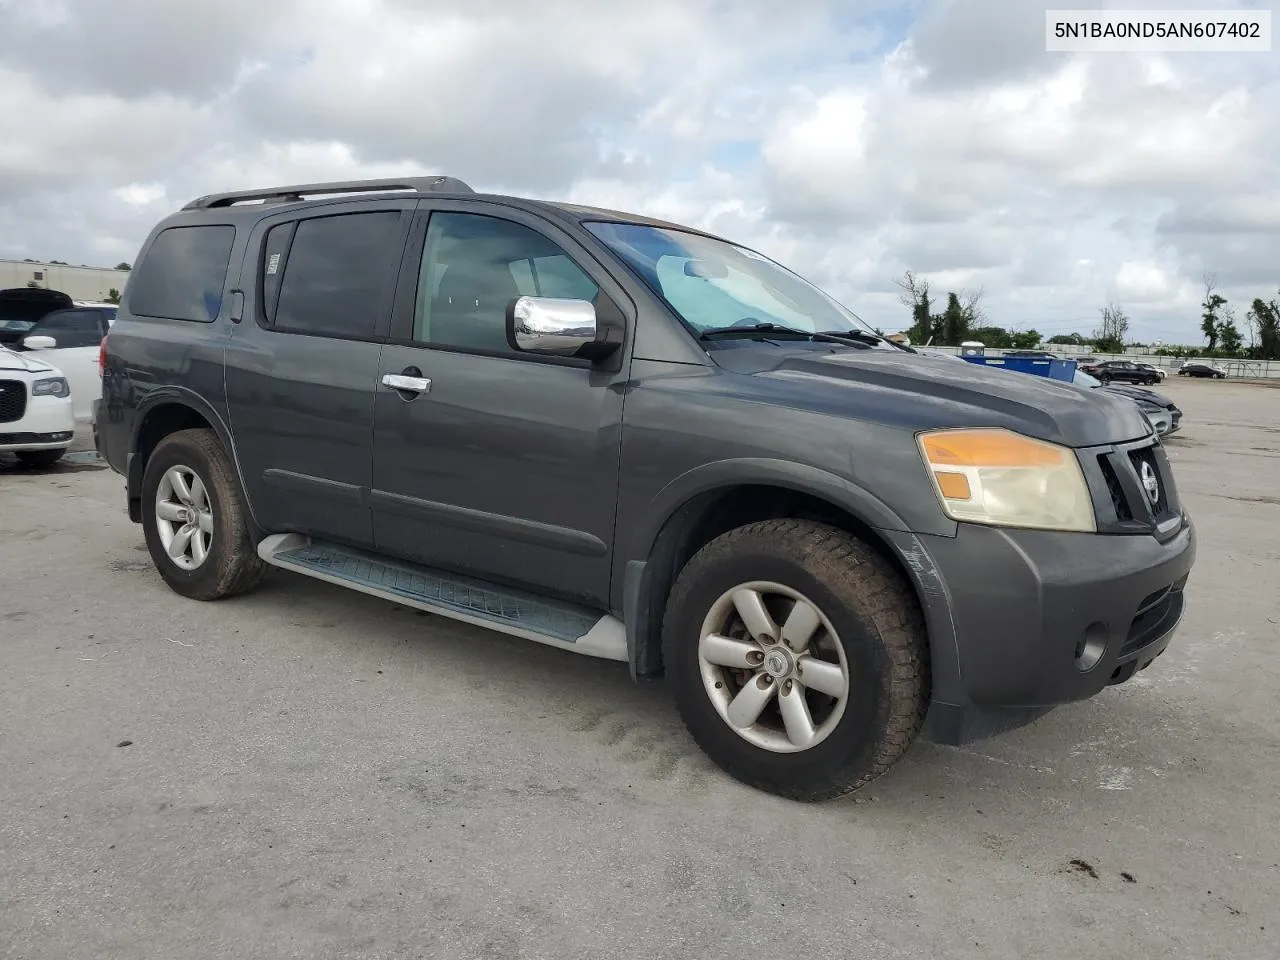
70, 339
36, 417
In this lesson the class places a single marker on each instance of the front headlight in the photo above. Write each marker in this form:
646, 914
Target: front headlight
51, 387
1004, 479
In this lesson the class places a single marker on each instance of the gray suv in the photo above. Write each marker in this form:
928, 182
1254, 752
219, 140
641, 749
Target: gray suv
633, 440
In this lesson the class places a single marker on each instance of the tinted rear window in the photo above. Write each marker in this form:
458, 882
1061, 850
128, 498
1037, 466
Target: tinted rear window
182, 275
336, 274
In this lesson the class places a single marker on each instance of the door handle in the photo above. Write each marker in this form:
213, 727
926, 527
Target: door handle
406, 384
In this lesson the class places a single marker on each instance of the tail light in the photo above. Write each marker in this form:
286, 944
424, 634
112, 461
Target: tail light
102, 357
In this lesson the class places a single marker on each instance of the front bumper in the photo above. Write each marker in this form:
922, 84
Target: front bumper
1023, 620
47, 424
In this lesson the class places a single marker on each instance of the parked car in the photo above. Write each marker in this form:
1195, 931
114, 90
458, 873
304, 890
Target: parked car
1163, 413
68, 335
635, 440
36, 420
1044, 354
1199, 368
1152, 368
1123, 371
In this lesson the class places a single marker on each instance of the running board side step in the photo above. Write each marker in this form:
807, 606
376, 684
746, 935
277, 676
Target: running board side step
513, 612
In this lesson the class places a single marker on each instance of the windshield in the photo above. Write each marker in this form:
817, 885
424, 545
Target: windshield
715, 285
1083, 379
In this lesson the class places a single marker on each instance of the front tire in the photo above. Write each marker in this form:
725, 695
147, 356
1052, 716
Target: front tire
195, 518
798, 657
39, 459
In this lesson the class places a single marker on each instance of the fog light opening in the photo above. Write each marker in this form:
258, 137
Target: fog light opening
1091, 646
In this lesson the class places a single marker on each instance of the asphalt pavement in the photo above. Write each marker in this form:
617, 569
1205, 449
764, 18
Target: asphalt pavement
309, 772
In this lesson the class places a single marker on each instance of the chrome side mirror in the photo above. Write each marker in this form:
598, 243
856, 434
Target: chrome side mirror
551, 327
40, 342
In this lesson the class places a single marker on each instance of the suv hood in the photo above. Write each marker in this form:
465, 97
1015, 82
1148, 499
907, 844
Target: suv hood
918, 392
24, 362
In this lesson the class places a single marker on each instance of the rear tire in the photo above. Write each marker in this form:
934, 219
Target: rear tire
195, 518
864, 621
39, 459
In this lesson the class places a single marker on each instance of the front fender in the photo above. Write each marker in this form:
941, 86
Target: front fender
648, 560
762, 471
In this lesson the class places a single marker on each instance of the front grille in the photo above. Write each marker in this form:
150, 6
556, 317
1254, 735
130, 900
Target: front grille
1145, 464
13, 400
1121, 499
1118, 499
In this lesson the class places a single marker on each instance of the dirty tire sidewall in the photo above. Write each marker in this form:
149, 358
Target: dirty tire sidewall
232, 565
878, 622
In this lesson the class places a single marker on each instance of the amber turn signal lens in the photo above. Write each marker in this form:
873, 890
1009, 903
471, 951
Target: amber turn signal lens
954, 486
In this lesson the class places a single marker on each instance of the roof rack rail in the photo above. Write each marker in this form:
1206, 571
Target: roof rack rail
295, 193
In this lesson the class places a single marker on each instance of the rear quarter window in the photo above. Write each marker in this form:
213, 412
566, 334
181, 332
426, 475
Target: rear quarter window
183, 274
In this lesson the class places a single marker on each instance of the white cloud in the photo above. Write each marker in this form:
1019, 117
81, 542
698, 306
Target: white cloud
932, 135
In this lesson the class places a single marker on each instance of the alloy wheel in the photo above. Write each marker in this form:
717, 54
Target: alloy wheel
184, 517
773, 666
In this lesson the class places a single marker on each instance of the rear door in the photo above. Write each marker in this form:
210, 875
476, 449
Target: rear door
302, 364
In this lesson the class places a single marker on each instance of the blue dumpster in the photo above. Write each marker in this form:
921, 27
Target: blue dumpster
1064, 370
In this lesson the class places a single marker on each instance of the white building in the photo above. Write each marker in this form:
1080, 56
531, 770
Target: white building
79, 283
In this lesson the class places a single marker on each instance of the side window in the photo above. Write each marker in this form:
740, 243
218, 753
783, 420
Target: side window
183, 273
473, 266
336, 273
274, 251
71, 328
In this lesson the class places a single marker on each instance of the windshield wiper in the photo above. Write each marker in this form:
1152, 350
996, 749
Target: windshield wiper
866, 337
756, 329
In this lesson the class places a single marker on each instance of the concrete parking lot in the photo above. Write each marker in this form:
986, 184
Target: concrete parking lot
308, 772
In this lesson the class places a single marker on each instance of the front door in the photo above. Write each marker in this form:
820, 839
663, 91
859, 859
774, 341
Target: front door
500, 464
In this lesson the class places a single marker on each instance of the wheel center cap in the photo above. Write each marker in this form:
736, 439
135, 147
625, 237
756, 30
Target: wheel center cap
777, 663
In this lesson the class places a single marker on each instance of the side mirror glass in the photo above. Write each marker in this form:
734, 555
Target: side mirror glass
553, 327
39, 342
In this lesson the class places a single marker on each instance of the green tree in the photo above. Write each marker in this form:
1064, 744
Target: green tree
1210, 325
113, 295
1264, 320
1109, 338
1229, 338
915, 294
1073, 339
955, 322
992, 337
123, 266
1025, 340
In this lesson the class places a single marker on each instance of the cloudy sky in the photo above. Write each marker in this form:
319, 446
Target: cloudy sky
852, 139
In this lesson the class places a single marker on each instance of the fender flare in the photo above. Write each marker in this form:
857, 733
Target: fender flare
763, 471
173, 395
640, 613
